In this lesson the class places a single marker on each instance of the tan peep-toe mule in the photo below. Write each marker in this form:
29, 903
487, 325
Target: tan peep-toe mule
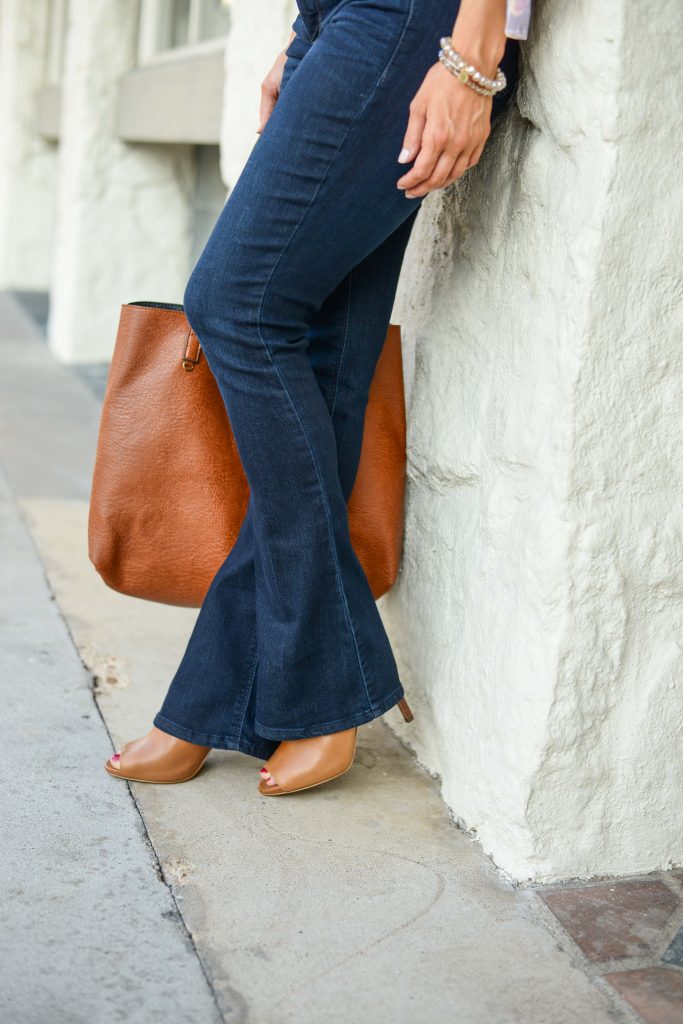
303, 764
158, 757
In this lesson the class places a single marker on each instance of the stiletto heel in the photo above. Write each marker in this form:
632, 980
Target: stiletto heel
158, 757
404, 708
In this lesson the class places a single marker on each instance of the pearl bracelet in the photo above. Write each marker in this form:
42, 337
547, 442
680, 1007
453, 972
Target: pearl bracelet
467, 74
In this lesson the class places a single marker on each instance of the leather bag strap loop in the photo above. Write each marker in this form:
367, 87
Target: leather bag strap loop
193, 351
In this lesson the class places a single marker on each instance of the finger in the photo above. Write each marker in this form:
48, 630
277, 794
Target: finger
424, 164
460, 166
437, 179
475, 155
412, 140
269, 95
463, 163
268, 98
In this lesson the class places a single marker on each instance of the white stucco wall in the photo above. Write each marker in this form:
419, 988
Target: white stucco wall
259, 29
123, 216
537, 620
608, 791
27, 161
538, 616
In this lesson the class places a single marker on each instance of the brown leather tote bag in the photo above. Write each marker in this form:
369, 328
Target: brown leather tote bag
169, 493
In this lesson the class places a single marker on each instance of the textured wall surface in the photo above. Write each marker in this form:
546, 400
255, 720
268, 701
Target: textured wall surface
123, 214
27, 161
539, 611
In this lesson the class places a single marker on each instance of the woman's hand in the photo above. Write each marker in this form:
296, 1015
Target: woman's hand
449, 123
448, 127
270, 87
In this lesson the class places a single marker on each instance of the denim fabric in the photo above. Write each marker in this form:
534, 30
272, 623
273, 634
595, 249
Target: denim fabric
291, 298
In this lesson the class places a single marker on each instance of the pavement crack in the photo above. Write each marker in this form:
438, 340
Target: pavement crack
178, 912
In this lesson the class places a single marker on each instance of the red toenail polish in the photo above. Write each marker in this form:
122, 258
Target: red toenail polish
264, 771
115, 757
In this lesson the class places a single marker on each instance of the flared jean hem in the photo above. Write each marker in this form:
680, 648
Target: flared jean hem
360, 718
181, 732
275, 735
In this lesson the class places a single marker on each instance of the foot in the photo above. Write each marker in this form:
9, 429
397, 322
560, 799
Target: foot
158, 757
302, 764
267, 777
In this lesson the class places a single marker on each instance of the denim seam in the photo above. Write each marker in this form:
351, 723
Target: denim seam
328, 518
227, 702
343, 351
286, 390
409, 17
319, 18
252, 677
307, 38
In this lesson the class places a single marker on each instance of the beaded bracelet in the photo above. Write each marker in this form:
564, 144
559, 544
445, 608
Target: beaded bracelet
467, 74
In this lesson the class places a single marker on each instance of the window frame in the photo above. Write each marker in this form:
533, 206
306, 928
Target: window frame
56, 42
152, 16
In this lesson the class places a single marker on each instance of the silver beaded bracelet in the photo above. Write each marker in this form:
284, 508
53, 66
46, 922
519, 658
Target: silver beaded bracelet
467, 74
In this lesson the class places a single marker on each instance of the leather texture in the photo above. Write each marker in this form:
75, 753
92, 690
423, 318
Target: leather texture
301, 764
404, 707
169, 492
159, 757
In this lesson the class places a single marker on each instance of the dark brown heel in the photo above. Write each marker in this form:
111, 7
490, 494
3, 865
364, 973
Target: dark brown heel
404, 708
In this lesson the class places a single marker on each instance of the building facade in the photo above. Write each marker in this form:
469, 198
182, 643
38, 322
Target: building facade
109, 155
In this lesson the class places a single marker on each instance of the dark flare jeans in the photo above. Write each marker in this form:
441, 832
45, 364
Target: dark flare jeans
291, 299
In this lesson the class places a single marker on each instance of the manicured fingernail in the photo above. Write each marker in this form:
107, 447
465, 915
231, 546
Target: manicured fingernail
401, 187
403, 156
409, 195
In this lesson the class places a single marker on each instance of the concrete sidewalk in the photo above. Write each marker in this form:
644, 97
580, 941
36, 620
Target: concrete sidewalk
90, 931
356, 901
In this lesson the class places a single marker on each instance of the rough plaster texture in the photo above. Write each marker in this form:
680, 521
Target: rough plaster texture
123, 221
538, 615
27, 161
